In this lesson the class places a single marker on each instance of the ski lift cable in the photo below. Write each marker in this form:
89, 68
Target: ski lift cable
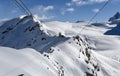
26, 7
18, 1
30, 13
20, 6
106, 3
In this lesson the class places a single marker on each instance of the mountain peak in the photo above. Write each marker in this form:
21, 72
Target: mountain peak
115, 17
22, 32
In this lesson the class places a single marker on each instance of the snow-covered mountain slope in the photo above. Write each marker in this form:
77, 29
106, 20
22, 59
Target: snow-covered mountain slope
25, 32
73, 58
30, 48
94, 35
114, 31
114, 20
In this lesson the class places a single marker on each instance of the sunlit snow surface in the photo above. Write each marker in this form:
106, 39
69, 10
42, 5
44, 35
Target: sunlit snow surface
58, 49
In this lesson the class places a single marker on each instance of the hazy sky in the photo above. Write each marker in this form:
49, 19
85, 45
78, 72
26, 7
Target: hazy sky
62, 10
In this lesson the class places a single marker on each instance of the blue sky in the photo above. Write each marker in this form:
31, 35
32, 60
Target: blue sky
61, 10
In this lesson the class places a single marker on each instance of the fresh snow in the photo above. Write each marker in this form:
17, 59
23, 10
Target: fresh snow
55, 48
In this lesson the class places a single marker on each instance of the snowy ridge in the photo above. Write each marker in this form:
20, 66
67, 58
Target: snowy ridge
115, 17
28, 50
116, 21
25, 32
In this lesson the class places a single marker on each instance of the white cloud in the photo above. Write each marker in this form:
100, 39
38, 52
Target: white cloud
43, 11
96, 10
44, 17
48, 8
68, 4
70, 9
44, 8
81, 3
86, 2
98, 1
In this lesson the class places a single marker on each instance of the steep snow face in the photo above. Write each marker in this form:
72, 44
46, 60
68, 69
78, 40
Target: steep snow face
25, 32
59, 50
116, 21
115, 17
